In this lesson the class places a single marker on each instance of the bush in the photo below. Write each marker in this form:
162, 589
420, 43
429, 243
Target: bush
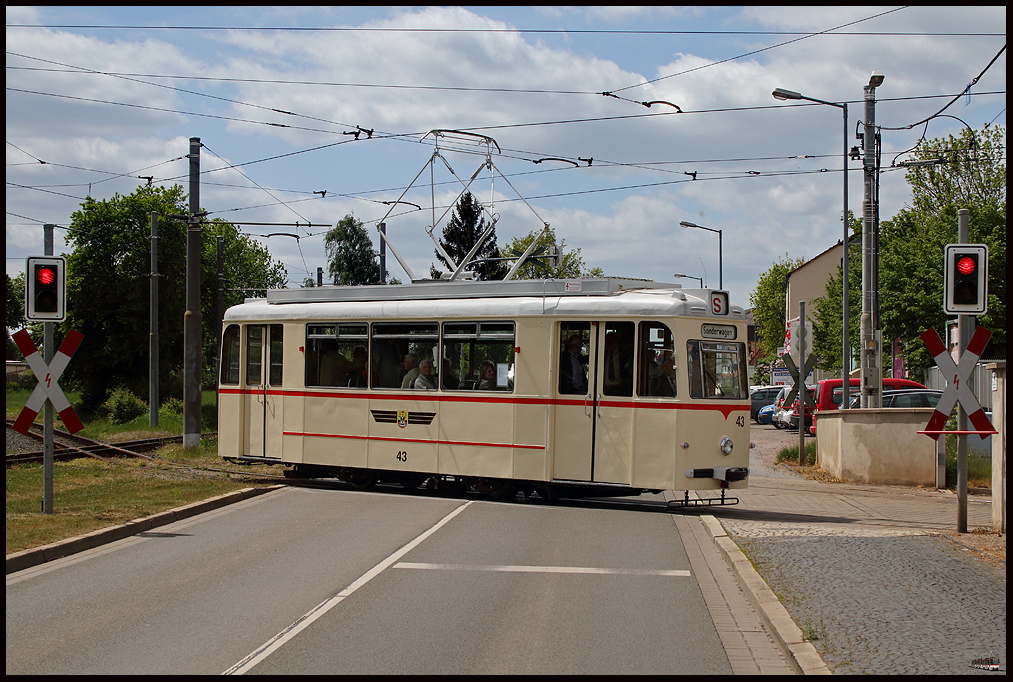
173, 406
123, 406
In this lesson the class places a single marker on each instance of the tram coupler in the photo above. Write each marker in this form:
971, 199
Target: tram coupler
705, 501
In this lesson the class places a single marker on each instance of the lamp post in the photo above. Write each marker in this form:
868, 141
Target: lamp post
679, 275
782, 94
721, 282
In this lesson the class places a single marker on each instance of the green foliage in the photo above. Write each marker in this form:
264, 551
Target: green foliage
173, 406
123, 406
571, 263
15, 290
461, 233
828, 332
767, 301
350, 256
108, 288
911, 246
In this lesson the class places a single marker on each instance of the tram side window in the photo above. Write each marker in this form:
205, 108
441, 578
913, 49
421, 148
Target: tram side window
477, 356
230, 355
717, 370
657, 361
617, 359
254, 357
277, 354
399, 349
336, 355
575, 339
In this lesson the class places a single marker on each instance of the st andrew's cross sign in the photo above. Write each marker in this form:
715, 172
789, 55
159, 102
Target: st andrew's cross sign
957, 389
48, 377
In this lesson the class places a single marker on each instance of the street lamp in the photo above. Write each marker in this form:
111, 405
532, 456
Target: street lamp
721, 282
782, 94
680, 275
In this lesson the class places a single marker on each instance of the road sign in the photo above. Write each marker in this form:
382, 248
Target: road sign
48, 378
807, 398
957, 389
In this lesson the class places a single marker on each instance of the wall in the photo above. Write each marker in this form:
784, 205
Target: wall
877, 446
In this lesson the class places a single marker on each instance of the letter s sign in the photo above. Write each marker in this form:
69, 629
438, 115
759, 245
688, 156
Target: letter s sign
719, 303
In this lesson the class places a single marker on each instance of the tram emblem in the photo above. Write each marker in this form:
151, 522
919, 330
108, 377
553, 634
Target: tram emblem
403, 418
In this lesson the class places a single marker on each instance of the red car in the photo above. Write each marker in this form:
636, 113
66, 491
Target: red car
829, 392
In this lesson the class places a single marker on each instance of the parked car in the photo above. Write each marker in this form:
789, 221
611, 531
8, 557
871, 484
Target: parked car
779, 410
761, 397
829, 391
766, 414
907, 397
793, 413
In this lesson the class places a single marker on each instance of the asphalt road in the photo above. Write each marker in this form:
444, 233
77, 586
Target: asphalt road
304, 581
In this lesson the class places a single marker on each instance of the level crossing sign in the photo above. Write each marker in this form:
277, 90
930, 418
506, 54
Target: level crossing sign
48, 378
957, 389
798, 380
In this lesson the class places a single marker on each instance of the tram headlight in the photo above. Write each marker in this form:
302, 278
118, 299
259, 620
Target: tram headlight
726, 445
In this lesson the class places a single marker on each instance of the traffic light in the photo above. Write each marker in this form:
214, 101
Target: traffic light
46, 289
966, 279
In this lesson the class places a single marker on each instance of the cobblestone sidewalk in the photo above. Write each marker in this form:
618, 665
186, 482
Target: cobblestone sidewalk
868, 573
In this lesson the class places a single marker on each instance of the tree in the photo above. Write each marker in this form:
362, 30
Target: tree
767, 301
15, 289
571, 263
972, 175
108, 293
465, 226
350, 256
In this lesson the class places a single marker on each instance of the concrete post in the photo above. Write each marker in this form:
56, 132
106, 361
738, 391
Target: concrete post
999, 446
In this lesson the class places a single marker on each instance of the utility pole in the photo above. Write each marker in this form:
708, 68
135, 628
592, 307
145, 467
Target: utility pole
965, 327
383, 253
192, 317
871, 372
153, 327
47, 411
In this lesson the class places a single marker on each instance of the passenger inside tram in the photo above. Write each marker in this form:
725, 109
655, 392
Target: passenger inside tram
426, 380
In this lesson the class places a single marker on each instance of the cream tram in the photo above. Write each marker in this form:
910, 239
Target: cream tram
525, 385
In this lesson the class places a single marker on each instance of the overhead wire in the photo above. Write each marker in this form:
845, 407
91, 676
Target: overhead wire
747, 54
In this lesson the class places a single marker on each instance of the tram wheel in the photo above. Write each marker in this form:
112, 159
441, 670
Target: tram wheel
360, 480
498, 489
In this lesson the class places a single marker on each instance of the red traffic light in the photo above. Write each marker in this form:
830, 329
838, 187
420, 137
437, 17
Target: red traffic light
45, 276
967, 265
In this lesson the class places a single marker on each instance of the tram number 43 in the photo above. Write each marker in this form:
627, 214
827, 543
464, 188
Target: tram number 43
402, 456
740, 421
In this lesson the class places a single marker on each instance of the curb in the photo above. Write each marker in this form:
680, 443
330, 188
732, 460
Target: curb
800, 653
39, 555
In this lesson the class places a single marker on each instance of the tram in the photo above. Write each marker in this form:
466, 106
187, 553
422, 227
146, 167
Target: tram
539, 386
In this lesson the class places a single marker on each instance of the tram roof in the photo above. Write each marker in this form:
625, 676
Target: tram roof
522, 298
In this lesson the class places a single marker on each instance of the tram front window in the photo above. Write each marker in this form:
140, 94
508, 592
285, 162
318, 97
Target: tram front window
717, 370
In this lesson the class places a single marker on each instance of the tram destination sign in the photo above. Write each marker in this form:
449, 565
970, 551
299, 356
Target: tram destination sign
725, 332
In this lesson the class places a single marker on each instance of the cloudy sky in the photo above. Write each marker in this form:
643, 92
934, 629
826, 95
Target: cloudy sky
105, 95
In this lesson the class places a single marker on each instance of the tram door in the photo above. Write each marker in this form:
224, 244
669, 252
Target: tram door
593, 411
262, 406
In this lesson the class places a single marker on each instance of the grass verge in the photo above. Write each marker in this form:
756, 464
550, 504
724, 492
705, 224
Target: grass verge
89, 494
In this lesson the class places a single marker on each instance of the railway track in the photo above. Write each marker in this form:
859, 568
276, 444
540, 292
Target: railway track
67, 446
